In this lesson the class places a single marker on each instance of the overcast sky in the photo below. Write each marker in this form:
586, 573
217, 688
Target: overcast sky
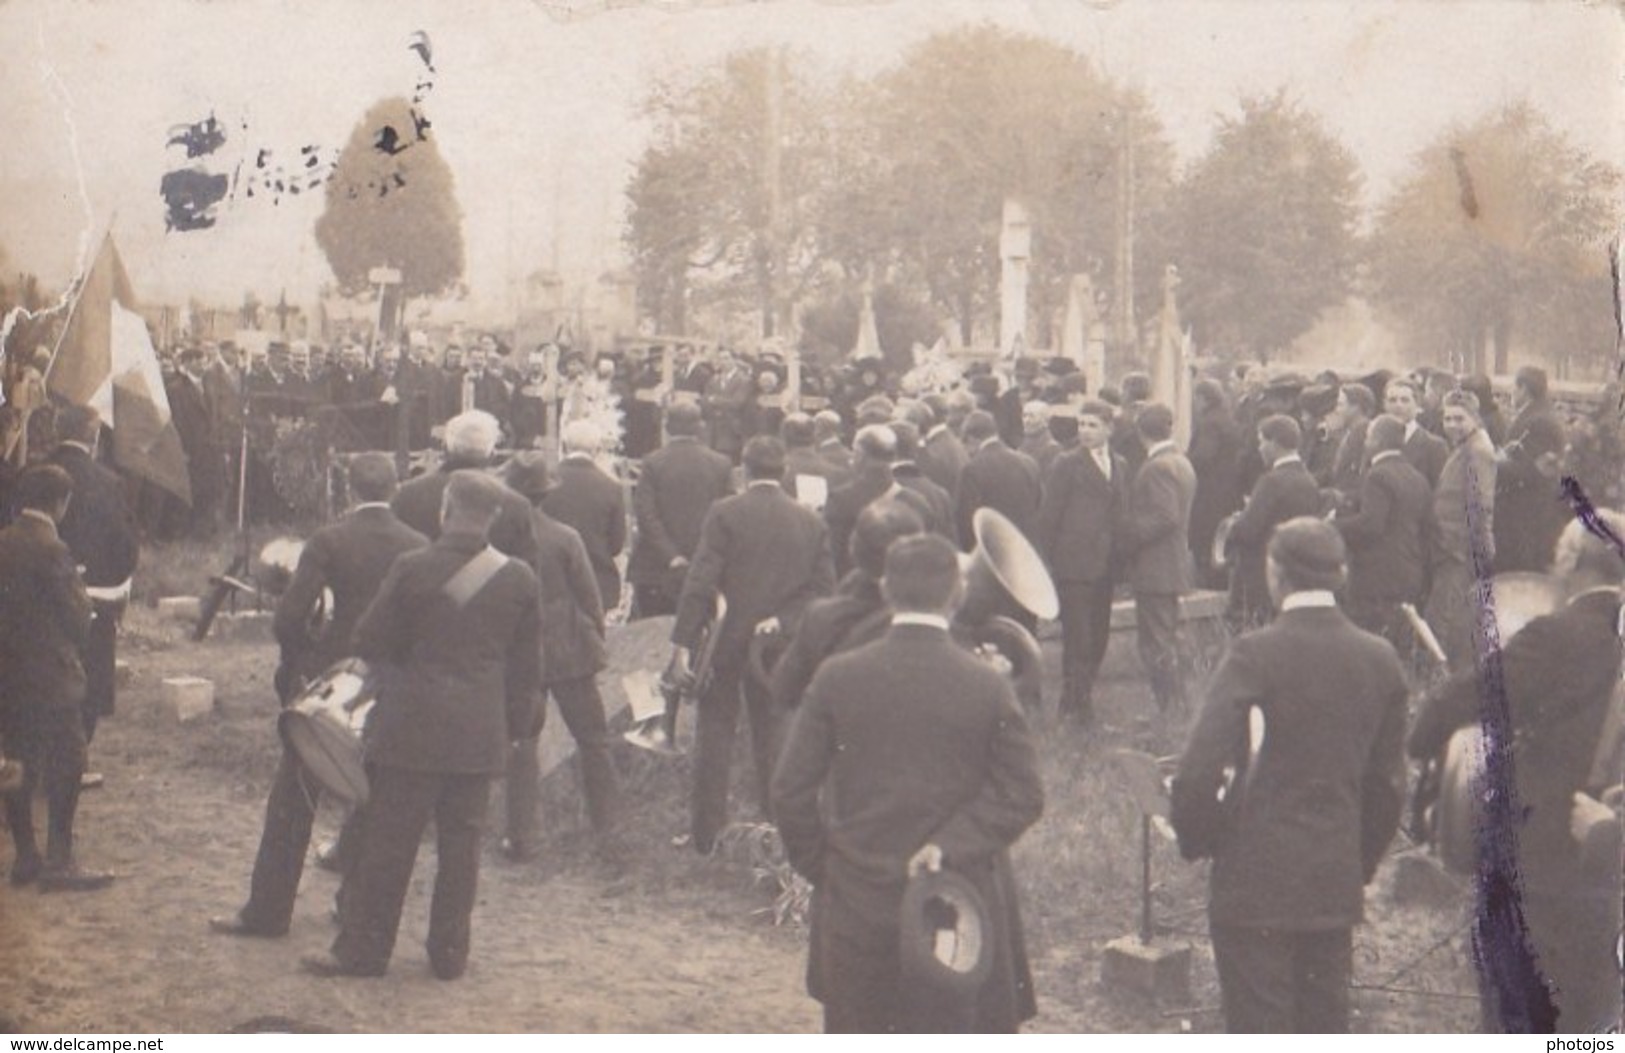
534, 108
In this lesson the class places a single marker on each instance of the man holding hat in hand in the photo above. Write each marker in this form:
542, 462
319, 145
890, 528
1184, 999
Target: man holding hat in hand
909, 756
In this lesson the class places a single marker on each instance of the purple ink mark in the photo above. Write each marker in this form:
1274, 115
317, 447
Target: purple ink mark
1586, 513
1514, 989
190, 197
200, 139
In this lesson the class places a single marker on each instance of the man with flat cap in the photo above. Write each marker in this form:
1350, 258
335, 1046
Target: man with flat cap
677, 486
908, 755
452, 638
767, 557
1292, 781
349, 558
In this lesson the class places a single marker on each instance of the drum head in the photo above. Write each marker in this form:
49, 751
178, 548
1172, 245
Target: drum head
330, 752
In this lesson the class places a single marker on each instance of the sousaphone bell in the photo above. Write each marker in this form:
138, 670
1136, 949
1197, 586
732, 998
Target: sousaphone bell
1005, 571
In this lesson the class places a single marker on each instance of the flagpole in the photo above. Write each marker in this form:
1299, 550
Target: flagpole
78, 295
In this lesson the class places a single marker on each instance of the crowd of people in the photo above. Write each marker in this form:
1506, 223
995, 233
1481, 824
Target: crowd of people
811, 557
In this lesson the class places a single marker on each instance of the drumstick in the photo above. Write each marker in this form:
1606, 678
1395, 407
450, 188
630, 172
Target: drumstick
1424, 633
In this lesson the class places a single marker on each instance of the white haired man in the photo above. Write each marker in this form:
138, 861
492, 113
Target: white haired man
471, 439
590, 502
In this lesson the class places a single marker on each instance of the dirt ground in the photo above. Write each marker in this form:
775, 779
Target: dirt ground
672, 943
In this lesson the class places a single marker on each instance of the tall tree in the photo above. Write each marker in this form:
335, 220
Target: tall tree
972, 117
718, 199
1498, 236
1266, 227
391, 203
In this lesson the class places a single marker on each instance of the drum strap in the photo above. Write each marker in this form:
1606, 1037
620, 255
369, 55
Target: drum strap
473, 576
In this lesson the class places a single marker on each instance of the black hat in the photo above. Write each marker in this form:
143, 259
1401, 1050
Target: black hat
946, 937
527, 474
1317, 400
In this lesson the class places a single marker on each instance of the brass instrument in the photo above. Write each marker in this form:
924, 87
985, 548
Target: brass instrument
1006, 569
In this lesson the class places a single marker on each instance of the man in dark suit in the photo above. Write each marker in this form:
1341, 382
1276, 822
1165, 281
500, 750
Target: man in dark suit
874, 448
1126, 442
1425, 450
573, 654
801, 459
857, 613
767, 557
997, 477
1388, 538
1079, 530
100, 535
205, 460
588, 501
677, 486
1309, 714
908, 755
827, 440
1285, 491
453, 640
483, 387
942, 455
1549, 694
350, 558
1529, 508
726, 393
44, 620
935, 505
1157, 543
1036, 440
471, 439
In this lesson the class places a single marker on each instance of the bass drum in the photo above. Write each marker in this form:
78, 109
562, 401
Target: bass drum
1519, 599
323, 729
